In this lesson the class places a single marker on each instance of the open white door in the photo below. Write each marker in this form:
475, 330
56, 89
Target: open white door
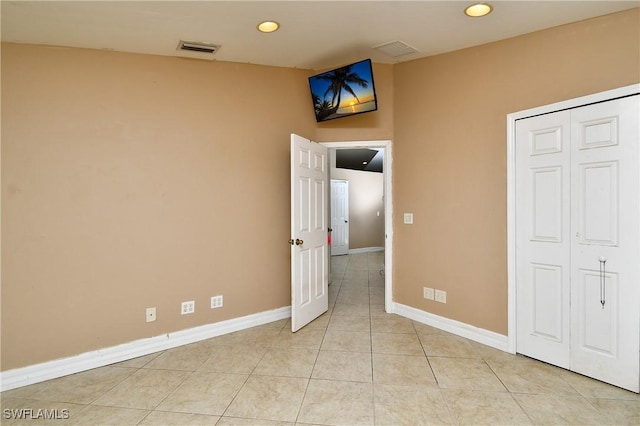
339, 217
309, 228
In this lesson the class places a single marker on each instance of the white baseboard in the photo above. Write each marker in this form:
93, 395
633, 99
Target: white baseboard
365, 250
480, 335
19, 377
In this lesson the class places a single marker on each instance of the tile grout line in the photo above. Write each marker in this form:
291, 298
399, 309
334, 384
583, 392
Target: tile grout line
373, 387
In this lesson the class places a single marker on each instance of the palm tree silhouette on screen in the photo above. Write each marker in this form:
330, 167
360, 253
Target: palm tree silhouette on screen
339, 80
320, 104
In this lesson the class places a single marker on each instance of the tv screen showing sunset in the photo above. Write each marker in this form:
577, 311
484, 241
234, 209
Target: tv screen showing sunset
343, 91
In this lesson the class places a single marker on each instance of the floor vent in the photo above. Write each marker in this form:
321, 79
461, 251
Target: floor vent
396, 48
192, 46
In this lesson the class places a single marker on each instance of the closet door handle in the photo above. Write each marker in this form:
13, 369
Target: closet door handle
603, 278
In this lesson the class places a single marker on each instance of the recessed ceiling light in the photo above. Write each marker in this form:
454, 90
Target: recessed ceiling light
478, 9
268, 26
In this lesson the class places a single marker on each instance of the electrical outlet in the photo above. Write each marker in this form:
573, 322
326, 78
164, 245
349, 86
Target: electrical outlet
188, 307
216, 302
428, 293
441, 296
151, 314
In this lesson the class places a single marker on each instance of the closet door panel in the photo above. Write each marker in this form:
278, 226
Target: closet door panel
542, 254
598, 205
605, 248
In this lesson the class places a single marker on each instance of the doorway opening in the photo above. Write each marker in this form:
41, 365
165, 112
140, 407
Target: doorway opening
384, 146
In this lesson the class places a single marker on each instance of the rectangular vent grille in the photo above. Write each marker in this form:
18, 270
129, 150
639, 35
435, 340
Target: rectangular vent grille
192, 46
396, 48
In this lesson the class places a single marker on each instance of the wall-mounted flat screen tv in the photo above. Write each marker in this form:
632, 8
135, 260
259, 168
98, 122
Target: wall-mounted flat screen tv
343, 91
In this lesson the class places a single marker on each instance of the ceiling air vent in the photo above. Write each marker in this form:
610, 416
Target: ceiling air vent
395, 49
193, 46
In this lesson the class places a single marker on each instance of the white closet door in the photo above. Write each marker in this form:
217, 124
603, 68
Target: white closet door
605, 225
578, 240
542, 237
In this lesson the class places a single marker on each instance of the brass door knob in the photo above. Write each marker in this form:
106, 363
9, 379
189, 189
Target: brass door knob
291, 242
299, 242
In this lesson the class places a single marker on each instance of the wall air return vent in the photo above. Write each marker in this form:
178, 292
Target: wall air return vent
192, 46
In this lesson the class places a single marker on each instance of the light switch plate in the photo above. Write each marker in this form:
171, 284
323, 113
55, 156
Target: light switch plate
408, 218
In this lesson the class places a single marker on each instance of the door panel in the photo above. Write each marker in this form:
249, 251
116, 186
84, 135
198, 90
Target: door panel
597, 330
542, 238
547, 194
309, 245
606, 225
598, 204
598, 133
547, 140
547, 311
339, 217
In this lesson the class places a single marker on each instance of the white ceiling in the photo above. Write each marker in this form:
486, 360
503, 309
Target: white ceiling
313, 35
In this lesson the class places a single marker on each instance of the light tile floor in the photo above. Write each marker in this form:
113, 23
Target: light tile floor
355, 365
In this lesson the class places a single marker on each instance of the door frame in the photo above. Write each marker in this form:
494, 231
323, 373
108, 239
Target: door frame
388, 208
511, 187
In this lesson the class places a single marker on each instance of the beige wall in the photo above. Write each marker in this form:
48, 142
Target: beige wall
366, 228
131, 181
450, 153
